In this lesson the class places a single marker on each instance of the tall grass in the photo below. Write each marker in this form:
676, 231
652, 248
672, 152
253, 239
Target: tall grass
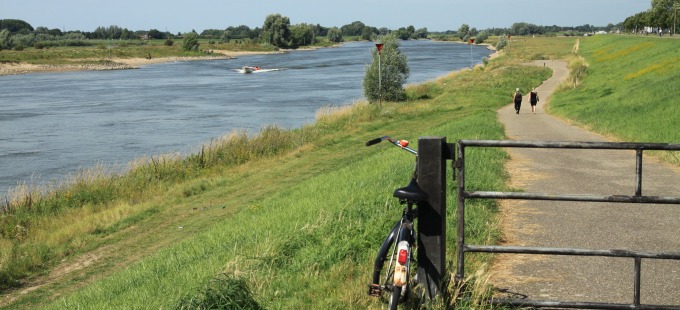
291, 218
31, 218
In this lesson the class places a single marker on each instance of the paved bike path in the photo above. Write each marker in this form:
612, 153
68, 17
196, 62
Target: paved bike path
583, 225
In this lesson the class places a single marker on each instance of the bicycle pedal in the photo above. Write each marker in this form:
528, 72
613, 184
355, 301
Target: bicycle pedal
374, 290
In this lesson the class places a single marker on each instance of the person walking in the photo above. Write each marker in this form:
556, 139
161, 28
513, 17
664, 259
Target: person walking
517, 98
533, 99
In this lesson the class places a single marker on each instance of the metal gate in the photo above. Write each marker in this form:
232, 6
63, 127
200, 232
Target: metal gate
637, 197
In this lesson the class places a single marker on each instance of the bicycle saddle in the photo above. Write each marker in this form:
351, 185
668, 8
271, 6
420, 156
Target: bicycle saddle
411, 192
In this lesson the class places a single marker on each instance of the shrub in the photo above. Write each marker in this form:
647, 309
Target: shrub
190, 42
502, 42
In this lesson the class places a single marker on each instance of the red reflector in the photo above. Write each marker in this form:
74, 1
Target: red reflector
403, 256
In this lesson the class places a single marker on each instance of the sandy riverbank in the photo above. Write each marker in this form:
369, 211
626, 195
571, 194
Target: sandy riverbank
116, 63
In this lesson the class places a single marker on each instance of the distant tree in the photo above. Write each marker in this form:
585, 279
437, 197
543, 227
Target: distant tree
55, 32
662, 13
190, 42
20, 41
502, 42
211, 33
463, 31
420, 33
402, 34
335, 35
240, 32
5, 39
321, 31
156, 34
481, 37
386, 82
302, 35
368, 33
353, 29
126, 34
276, 30
16, 26
524, 29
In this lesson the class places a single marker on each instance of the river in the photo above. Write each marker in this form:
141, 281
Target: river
54, 124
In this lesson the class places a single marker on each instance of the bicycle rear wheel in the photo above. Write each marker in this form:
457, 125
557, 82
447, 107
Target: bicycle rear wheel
398, 276
395, 298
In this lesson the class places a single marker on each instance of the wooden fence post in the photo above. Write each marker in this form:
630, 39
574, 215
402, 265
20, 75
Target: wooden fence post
432, 155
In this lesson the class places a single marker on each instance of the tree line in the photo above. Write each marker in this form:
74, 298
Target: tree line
662, 15
278, 31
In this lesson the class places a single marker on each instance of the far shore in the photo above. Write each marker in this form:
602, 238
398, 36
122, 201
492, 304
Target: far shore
136, 63
117, 63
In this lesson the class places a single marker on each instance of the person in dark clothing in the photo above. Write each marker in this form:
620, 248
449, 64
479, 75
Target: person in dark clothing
517, 98
533, 99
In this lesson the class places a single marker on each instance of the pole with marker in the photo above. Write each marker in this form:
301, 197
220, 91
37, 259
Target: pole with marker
379, 47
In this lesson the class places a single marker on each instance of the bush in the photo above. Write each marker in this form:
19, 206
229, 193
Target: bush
502, 42
481, 37
190, 42
169, 42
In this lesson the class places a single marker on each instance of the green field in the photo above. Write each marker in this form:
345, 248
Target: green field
292, 219
631, 91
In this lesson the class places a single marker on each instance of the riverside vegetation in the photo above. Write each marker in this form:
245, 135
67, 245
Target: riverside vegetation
292, 218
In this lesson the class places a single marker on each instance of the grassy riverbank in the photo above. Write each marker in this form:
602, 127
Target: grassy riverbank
630, 92
289, 219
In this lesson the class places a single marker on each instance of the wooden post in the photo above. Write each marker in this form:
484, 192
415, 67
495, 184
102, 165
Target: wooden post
432, 216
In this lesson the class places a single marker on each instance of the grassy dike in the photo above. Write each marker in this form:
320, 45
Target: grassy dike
630, 92
283, 220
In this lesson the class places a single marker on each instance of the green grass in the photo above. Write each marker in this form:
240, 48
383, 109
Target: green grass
291, 218
630, 90
107, 49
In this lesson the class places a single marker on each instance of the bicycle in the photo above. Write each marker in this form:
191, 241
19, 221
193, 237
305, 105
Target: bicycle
398, 278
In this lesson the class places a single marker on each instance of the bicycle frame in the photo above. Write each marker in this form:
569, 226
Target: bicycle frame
401, 239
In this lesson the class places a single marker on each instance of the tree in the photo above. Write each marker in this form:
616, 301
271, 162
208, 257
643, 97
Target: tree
276, 30
402, 33
156, 34
463, 31
302, 35
386, 82
353, 29
481, 37
15, 26
5, 39
420, 33
335, 35
368, 33
662, 13
190, 42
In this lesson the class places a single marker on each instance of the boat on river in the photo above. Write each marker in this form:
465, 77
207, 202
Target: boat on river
248, 69
255, 69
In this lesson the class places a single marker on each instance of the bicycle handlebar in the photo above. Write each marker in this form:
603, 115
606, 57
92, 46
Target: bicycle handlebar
403, 144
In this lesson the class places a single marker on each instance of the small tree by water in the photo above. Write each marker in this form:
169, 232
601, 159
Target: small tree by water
386, 82
190, 42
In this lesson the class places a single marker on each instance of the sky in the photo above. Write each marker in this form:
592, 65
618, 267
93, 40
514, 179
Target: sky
435, 15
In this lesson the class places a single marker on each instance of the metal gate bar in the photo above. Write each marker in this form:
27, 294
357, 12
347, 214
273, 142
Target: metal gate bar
462, 248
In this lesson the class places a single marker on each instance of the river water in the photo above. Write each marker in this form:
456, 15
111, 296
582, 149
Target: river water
54, 124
